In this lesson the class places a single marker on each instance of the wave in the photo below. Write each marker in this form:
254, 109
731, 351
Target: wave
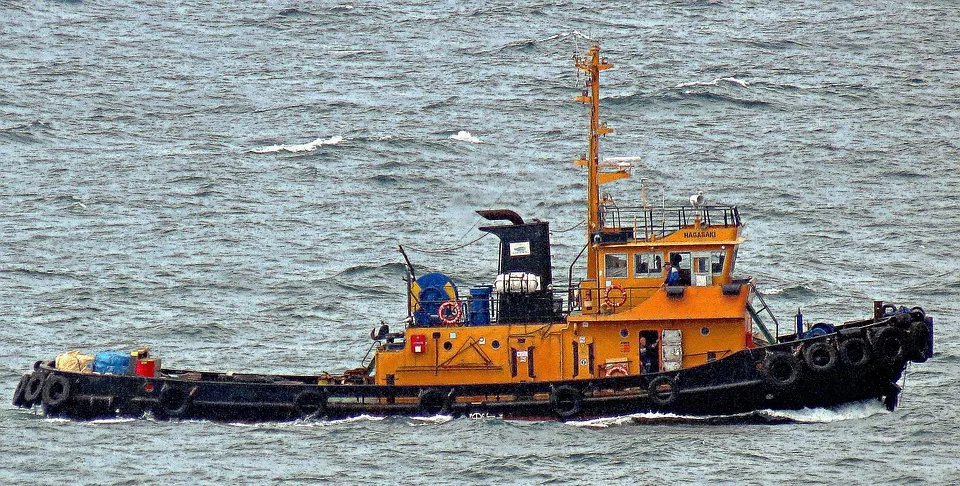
306, 147
27, 132
850, 411
528, 44
292, 12
793, 291
715, 82
465, 136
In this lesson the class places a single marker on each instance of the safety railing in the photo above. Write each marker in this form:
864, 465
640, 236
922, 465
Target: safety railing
645, 222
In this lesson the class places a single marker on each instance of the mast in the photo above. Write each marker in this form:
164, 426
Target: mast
591, 65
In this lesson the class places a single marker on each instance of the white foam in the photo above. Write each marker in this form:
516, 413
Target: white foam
715, 82
118, 420
305, 147
465, 136
850, 411
436, 419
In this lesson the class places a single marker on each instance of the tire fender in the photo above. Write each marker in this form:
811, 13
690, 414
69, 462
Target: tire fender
780, 370
855, 352
56, 390
566, 401
662, 391
820, 357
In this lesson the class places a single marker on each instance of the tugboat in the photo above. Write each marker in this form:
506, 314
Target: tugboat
658, 323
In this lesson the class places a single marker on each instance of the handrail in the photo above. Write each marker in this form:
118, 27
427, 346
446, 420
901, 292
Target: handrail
570, 289
670, 218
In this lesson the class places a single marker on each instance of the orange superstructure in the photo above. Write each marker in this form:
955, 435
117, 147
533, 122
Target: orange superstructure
627, 315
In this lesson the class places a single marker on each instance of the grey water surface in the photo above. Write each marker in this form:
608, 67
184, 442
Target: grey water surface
227, 183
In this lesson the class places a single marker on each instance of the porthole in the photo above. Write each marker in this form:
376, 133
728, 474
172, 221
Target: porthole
495, 344
624, 333
447, 346
704, 330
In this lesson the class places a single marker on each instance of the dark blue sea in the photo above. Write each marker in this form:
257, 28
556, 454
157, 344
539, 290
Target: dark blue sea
227, 183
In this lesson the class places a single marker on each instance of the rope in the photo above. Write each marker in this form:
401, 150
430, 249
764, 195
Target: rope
570, 228
446, 250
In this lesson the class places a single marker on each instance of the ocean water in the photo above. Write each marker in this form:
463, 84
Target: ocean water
228, 183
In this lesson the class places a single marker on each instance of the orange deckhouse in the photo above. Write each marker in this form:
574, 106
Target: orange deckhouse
629, 316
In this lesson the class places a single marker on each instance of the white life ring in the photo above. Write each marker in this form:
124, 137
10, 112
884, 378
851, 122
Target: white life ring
615, 303
451, 319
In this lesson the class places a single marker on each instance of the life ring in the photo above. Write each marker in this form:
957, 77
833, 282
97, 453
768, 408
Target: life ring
820, 356
175, 401
854, 352
566, 401
888, 343
451, 319
430, 402
619, 369
781, 370
56, 390
615, 303
310, 404
34, 387
919, 335
662, 391
18, 399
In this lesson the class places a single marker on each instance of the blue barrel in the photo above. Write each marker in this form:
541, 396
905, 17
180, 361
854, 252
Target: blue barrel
480, 305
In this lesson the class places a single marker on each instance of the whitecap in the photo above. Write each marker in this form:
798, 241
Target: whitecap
715, 82
306, 147
465, 136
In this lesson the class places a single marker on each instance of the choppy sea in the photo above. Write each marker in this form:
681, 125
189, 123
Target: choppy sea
227, 183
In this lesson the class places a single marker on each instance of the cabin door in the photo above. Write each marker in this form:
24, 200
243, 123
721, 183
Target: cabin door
701, 270
521, 359
583, 357
671, 349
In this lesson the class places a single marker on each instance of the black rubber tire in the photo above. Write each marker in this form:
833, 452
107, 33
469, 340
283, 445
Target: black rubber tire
56, 391
820, 357
918, 313
918, 342
18, 399
34, 388
430, 402
175, 401
855, 352
888, 344
662, 392
566, 401
780, 370
37, 364
310, 404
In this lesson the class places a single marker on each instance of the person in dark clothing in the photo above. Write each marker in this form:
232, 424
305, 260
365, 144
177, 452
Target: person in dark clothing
673, 274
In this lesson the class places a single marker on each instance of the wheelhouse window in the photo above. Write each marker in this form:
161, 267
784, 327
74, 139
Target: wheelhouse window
615, 265
716, 261
646, 265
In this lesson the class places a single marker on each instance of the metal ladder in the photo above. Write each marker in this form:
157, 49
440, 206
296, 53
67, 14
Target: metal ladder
755, 314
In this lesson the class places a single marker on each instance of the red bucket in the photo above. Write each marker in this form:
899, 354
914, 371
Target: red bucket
147, 367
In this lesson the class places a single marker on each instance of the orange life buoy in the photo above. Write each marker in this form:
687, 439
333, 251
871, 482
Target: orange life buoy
450, 319
615, 303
